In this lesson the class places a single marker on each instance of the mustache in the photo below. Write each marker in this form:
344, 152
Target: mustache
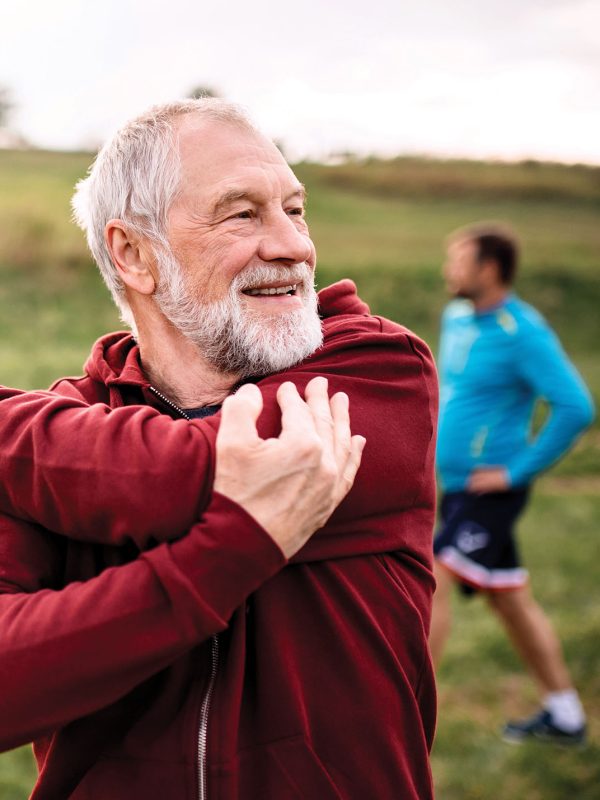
254, 277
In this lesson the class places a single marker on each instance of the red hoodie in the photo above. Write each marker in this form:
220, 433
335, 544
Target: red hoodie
319, 685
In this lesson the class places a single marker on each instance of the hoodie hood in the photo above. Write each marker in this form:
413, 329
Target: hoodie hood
115, 360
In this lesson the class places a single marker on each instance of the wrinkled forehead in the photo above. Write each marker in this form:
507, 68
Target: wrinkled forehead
217, 154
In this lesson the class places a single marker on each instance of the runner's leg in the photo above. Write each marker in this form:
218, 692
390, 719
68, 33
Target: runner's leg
441, 614
533, 636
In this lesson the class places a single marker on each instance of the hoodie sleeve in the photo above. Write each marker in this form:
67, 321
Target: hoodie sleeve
109, 476
99, 474
69, 652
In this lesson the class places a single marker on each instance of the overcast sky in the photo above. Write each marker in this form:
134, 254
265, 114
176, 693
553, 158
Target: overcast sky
499, 78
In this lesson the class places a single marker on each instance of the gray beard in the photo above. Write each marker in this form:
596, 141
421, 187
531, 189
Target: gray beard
232, 337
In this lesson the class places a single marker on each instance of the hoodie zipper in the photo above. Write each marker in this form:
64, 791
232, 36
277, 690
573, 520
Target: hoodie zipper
204, 711
169, 403
214, 659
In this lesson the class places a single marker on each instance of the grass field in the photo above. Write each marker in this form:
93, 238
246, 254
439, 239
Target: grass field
383, 225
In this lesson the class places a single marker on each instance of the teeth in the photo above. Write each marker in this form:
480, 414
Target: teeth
269, 291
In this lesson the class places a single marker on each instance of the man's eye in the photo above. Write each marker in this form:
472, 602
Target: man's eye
246, 214
296, 212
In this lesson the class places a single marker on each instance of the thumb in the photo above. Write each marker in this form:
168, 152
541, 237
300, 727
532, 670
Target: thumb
239, 414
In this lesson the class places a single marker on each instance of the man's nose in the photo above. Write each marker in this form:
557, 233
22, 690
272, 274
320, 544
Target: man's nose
281, 240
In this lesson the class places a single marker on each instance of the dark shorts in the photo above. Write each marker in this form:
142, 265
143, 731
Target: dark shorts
475, 540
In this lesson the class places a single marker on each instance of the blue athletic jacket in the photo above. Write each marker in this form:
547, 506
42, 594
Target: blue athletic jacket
494, 366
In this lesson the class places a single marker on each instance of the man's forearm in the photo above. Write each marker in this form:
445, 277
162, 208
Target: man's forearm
70, 652
100, 474
564, 426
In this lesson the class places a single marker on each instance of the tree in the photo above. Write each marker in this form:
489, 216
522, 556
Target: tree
5, 106
198, 92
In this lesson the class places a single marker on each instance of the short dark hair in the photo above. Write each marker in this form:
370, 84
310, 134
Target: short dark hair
495, 242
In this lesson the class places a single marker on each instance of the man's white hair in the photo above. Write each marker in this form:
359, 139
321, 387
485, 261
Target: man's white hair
135, 178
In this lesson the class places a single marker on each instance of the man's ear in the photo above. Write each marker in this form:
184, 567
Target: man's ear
132, 256
491, 269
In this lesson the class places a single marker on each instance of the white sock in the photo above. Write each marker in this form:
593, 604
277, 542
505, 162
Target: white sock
566, 709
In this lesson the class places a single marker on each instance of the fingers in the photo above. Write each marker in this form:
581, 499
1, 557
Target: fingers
329, 419
296, 417
239, 414
357, 445
317, 399
340, 413
332, 422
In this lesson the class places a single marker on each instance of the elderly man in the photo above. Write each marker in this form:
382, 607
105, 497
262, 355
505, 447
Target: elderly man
197, 659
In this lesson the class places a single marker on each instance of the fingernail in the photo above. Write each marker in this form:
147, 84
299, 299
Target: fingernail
246, 388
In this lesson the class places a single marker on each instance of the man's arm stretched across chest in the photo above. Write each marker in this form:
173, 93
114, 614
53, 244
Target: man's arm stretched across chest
74, 641
131, 473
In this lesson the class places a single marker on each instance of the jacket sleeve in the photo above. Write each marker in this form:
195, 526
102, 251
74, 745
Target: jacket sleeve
66, 653
546, 370
105, 475
99, 474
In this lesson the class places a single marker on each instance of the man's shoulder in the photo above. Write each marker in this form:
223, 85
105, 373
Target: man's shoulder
524, 318
340, 299
348, 324
457, 311
524, 325
513, 322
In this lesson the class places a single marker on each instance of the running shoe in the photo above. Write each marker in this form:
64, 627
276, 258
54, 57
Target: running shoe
541, 727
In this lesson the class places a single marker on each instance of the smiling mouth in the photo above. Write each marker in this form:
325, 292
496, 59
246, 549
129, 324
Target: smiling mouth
269, 291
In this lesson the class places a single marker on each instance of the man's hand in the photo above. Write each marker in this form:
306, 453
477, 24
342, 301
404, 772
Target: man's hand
292, 484
485, 480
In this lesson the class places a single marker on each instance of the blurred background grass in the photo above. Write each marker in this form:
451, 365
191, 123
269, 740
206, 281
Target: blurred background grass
383, 223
